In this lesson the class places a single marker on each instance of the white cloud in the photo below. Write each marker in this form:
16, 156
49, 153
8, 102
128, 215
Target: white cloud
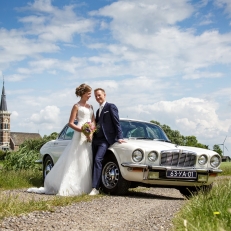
14, 46
191, 116
48, 115
226, 4
144, 16
16, 77
14, 114
50, 22
150, 41
199, 75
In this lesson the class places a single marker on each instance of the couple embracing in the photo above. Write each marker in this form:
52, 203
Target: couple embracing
78, 170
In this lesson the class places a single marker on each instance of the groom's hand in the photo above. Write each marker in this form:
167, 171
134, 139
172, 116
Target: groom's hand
121, 141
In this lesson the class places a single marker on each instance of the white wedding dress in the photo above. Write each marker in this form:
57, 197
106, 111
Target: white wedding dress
72, 173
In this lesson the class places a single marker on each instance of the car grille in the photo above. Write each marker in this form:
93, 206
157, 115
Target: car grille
178, 158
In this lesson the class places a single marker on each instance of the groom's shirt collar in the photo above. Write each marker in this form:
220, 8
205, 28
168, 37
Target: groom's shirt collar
103, 104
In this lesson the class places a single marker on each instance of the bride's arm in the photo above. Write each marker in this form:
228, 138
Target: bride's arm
72, 118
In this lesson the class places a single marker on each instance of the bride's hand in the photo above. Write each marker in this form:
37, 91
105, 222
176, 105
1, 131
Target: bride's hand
89, 138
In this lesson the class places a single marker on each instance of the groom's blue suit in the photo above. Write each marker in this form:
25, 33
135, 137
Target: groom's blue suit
109, 131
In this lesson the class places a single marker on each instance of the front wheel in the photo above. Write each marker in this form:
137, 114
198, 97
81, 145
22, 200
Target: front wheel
112, 180
48, 164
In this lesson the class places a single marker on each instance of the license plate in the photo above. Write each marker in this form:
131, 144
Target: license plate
181, 174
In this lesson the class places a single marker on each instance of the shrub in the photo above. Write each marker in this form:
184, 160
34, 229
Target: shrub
21, 159
3, 154
27, 154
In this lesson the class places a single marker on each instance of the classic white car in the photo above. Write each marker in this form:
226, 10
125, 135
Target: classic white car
148, 158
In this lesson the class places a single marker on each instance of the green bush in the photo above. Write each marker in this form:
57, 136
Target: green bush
22, 159
27, 154
2, 154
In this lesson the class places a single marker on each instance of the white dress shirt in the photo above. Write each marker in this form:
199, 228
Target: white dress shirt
101, 107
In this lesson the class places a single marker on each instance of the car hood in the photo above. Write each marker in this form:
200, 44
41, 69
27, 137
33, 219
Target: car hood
154, 145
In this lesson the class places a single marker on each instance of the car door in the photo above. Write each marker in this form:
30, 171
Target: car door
61, 142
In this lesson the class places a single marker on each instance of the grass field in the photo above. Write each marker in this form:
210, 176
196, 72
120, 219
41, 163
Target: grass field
20, 179
207, 211
226, 169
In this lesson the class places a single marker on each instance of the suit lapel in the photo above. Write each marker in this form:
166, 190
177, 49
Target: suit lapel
97, 115
103, 110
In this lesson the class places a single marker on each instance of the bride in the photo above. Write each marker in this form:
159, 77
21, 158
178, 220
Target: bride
72, 173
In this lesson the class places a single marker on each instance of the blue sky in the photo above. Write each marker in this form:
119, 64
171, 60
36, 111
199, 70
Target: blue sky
167, 61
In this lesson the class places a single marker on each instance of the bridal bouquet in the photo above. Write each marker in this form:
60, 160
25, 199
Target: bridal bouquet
88, 129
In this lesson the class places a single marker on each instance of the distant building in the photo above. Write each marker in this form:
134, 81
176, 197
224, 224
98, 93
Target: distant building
17, 138
11, 140
226, 159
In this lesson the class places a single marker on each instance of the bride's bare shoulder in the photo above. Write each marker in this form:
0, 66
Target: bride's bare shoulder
75, 107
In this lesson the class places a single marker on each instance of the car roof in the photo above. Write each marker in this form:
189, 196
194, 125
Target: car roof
135, 120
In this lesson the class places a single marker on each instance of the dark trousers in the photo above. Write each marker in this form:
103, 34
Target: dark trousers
99, 148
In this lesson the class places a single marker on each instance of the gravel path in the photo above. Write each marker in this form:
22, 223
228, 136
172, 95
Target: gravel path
150, 209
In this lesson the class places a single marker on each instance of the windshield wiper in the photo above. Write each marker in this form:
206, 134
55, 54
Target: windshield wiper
141, 138
163, 140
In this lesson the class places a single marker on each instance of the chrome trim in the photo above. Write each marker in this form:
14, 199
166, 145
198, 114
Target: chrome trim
38, 162
144, 166
132, 165
178, 158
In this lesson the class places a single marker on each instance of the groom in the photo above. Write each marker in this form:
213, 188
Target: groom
108, 132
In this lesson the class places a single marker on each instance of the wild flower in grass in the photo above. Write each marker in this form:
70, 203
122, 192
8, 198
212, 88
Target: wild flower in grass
185, 225
216, 213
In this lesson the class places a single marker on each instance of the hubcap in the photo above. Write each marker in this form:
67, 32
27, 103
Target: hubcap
48, 167
110, 175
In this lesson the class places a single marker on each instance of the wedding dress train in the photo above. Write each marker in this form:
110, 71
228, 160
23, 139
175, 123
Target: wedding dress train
72, 173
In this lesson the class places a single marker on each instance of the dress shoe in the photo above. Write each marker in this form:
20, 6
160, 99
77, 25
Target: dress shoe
94, 192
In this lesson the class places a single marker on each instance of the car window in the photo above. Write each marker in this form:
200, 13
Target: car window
138, 129
153, 132
62, 133
69, 133
137, 132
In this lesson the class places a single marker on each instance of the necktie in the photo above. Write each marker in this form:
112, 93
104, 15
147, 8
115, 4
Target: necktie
100, 109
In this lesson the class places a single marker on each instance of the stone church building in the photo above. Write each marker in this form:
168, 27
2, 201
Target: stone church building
11, 140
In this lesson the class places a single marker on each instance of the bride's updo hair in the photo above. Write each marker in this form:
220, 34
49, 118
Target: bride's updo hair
82, 89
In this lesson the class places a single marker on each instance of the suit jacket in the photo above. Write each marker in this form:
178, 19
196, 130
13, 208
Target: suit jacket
108, 123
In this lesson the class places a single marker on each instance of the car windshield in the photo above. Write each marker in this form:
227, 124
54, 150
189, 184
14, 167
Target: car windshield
142, 130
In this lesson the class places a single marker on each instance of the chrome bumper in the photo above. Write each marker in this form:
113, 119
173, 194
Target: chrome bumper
149, 167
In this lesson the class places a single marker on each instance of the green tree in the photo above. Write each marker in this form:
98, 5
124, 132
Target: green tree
179, 139
173, 135
217, 149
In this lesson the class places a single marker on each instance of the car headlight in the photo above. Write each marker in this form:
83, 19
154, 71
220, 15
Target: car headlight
137, 155
152, 156
215, 161
202, 159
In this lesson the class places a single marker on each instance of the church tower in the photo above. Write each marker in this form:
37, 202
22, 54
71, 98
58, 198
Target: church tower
4, 122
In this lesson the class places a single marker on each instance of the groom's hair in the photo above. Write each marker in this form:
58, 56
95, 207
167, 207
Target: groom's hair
99, 89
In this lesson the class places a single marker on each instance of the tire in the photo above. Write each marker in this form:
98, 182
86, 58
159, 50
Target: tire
48, 164
188, 192
112, 180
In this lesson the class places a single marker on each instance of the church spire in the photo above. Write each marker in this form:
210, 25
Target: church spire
3, 106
